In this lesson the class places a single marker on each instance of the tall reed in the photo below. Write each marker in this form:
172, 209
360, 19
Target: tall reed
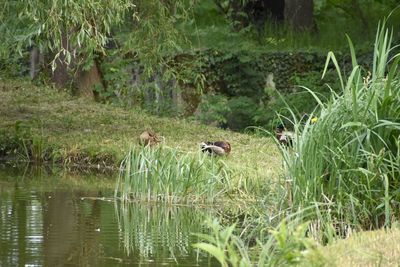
166, 175
347, 163
342, 172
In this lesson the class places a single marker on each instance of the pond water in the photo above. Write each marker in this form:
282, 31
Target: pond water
56, 220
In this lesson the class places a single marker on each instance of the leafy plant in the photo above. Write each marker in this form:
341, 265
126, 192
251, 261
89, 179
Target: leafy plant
287, 244
224, 245
242, 110
213, 109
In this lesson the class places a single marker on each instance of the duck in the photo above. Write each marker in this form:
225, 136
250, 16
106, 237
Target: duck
284, 136
219, 148
149, 138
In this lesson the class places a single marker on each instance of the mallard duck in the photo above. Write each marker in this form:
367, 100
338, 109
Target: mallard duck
219, 148
284, 136
148, 137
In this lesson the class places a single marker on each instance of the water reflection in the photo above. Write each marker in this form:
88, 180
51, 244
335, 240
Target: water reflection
59, 226
157, 231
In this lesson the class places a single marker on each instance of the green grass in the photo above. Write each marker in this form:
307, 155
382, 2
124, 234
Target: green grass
370, 248
54, 126
341, 174
347, 163
165, 175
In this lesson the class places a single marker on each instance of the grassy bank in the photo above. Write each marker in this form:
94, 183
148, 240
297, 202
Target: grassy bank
370, 248
41, 123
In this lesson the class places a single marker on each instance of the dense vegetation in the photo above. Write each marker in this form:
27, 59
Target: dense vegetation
242, 65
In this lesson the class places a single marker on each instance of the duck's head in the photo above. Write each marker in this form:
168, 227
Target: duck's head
280, 127
227, 147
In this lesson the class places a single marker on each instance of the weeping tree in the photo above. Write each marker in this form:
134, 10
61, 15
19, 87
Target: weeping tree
73, 35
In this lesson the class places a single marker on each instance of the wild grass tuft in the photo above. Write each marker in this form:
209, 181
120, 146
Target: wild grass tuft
347, 163
167, 175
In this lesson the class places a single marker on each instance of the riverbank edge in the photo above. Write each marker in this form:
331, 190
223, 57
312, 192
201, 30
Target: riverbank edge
45, 125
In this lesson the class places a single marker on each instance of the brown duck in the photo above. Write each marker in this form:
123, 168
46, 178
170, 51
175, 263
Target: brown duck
219, 148
148, 138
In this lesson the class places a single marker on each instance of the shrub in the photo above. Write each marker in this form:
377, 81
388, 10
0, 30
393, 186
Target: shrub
213, 109
242, 112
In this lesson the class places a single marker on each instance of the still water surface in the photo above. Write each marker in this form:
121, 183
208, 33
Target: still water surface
46, 221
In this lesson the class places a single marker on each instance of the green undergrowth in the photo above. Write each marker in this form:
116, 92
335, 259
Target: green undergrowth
341, 177
168, 175
43, 124
347, 163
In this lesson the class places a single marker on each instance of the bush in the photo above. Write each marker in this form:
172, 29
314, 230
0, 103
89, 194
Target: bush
213, 110
242, 111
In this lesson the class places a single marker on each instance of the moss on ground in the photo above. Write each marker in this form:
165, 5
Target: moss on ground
48, 124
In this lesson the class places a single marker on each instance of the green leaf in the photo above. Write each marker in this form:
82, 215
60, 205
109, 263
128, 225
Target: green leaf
213, 250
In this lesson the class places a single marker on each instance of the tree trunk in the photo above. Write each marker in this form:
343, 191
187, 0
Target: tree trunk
299, 14
87, 81
60, 74
84, 81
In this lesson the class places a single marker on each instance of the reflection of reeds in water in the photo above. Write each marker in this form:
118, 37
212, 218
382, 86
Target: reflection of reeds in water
158, 231
165, 175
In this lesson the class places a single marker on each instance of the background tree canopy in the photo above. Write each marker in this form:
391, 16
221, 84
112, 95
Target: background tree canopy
185, 57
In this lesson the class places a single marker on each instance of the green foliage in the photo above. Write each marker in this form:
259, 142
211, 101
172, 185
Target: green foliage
224, 245
286, 245
84, 25
241, 77
78, 31
215, 26
300, 101
241, 73
242, 112
24, 144
348, 161
117, 73
213, 109
291, 246
154, 34
161, 174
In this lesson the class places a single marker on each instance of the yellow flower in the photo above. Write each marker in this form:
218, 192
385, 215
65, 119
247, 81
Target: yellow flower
314, 120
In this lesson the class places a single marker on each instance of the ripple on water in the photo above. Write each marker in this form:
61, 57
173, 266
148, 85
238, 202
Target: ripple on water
75, 228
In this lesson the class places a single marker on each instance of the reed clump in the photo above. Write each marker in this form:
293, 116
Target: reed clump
341, 172
346, 164
166, 175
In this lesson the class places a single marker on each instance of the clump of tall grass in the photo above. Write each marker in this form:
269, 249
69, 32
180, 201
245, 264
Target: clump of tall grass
348, 162
287, 244
167, 175
342, 172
